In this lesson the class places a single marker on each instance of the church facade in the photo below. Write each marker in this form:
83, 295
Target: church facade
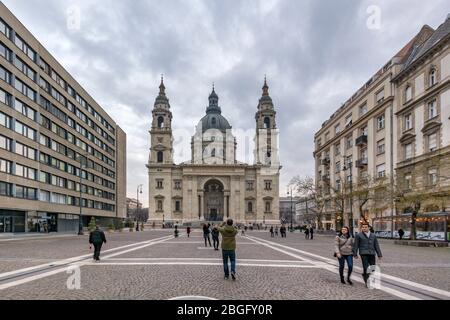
213, 185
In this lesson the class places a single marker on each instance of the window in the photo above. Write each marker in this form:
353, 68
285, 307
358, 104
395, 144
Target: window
5, 120
407, 181
22, 45
25, 151
177, 184
160, 157
363, 109
338, 167
337, 129
432, 142
364, 130
5, 52
5, 75
5, 143
319, 143
327, 136
250, 185
5, 189
268, 184
408, 121
160, 122
349, 142
44, 196
5, 97
249, 206
159, 205
380, 146
26, 172
432, 109
408, 93
432, 80
432, 177
338, 185
363, 153
25, 130
213, 153
337, 149
348, 120
58, 79
267, 207
159, 183
44, 177
44, 66
5, 166
24, 89
26, 193
5, 29
25, 110
379, 96
408, 151
380, 122
24, 68
59, 198
177, 205
381, 171
266, 123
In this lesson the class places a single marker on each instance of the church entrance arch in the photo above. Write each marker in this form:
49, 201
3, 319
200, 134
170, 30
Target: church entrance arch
214, 200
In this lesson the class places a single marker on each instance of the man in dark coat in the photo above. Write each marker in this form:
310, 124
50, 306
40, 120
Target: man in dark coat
311, 233
215, 237
97, 238
206, 232
401, 233
367, 244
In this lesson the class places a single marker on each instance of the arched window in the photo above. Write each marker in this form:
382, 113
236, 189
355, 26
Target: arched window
213, 121
408, 93
250, 206
213, 153
267, 206
160, 205
266, 123
160, 122
160, 157
432, 77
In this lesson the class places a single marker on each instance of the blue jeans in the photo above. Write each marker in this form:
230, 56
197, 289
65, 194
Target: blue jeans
342, 260
231, 254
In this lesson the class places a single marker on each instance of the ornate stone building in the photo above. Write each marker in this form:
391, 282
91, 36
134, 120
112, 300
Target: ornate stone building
213, 185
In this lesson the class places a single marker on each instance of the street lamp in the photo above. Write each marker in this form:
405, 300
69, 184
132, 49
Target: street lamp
80, 224
349, 167
139, 190
290, 192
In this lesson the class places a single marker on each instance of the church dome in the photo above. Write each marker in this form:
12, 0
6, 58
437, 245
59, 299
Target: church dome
214, 118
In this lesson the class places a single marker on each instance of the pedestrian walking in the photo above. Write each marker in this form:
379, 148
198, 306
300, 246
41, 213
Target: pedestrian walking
366, 243
307, 233
343, 250
229, 233
206, 233
176, 232
215, 237
97, 238
401, 233
188, 231
276, 231
311, 233
271, 232
283, 231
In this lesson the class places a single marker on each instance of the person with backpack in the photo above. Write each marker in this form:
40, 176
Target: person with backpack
97, 238
229, 233
215, 236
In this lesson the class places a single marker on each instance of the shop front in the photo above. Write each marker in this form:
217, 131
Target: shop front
12, 221
429, 226
42, 222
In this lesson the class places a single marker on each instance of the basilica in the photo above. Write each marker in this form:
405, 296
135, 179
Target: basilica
213, 186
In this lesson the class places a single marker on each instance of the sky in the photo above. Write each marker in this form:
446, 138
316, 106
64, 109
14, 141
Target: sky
316, 54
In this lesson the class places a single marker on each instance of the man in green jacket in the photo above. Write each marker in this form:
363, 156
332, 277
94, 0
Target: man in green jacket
228, 233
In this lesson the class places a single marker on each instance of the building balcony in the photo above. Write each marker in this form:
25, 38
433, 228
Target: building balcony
361, 140
326, 161
361, 163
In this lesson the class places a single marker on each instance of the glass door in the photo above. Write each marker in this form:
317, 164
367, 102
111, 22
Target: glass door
8, 224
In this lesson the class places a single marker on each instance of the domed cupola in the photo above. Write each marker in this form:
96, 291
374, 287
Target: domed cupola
213, 118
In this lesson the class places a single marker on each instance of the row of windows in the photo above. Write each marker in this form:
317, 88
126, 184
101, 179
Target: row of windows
19, 127
5, 52
5, 75
29, 72
432, 178
432, 80
66, 135
24, 89
66, 167
21, 192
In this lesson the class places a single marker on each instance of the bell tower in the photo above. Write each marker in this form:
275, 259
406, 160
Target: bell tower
161, 139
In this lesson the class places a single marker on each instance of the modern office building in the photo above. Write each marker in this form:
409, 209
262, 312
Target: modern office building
56, 142
397, 128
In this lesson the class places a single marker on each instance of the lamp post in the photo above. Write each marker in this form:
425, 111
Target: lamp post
348, 166
290, 192
80, 224
139, 190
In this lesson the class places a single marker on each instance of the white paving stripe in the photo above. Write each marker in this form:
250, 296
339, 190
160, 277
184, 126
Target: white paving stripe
192, 263
400, 280
79, 264
332, 269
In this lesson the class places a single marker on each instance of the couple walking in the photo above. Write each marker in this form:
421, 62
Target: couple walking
214, 233
346, 248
